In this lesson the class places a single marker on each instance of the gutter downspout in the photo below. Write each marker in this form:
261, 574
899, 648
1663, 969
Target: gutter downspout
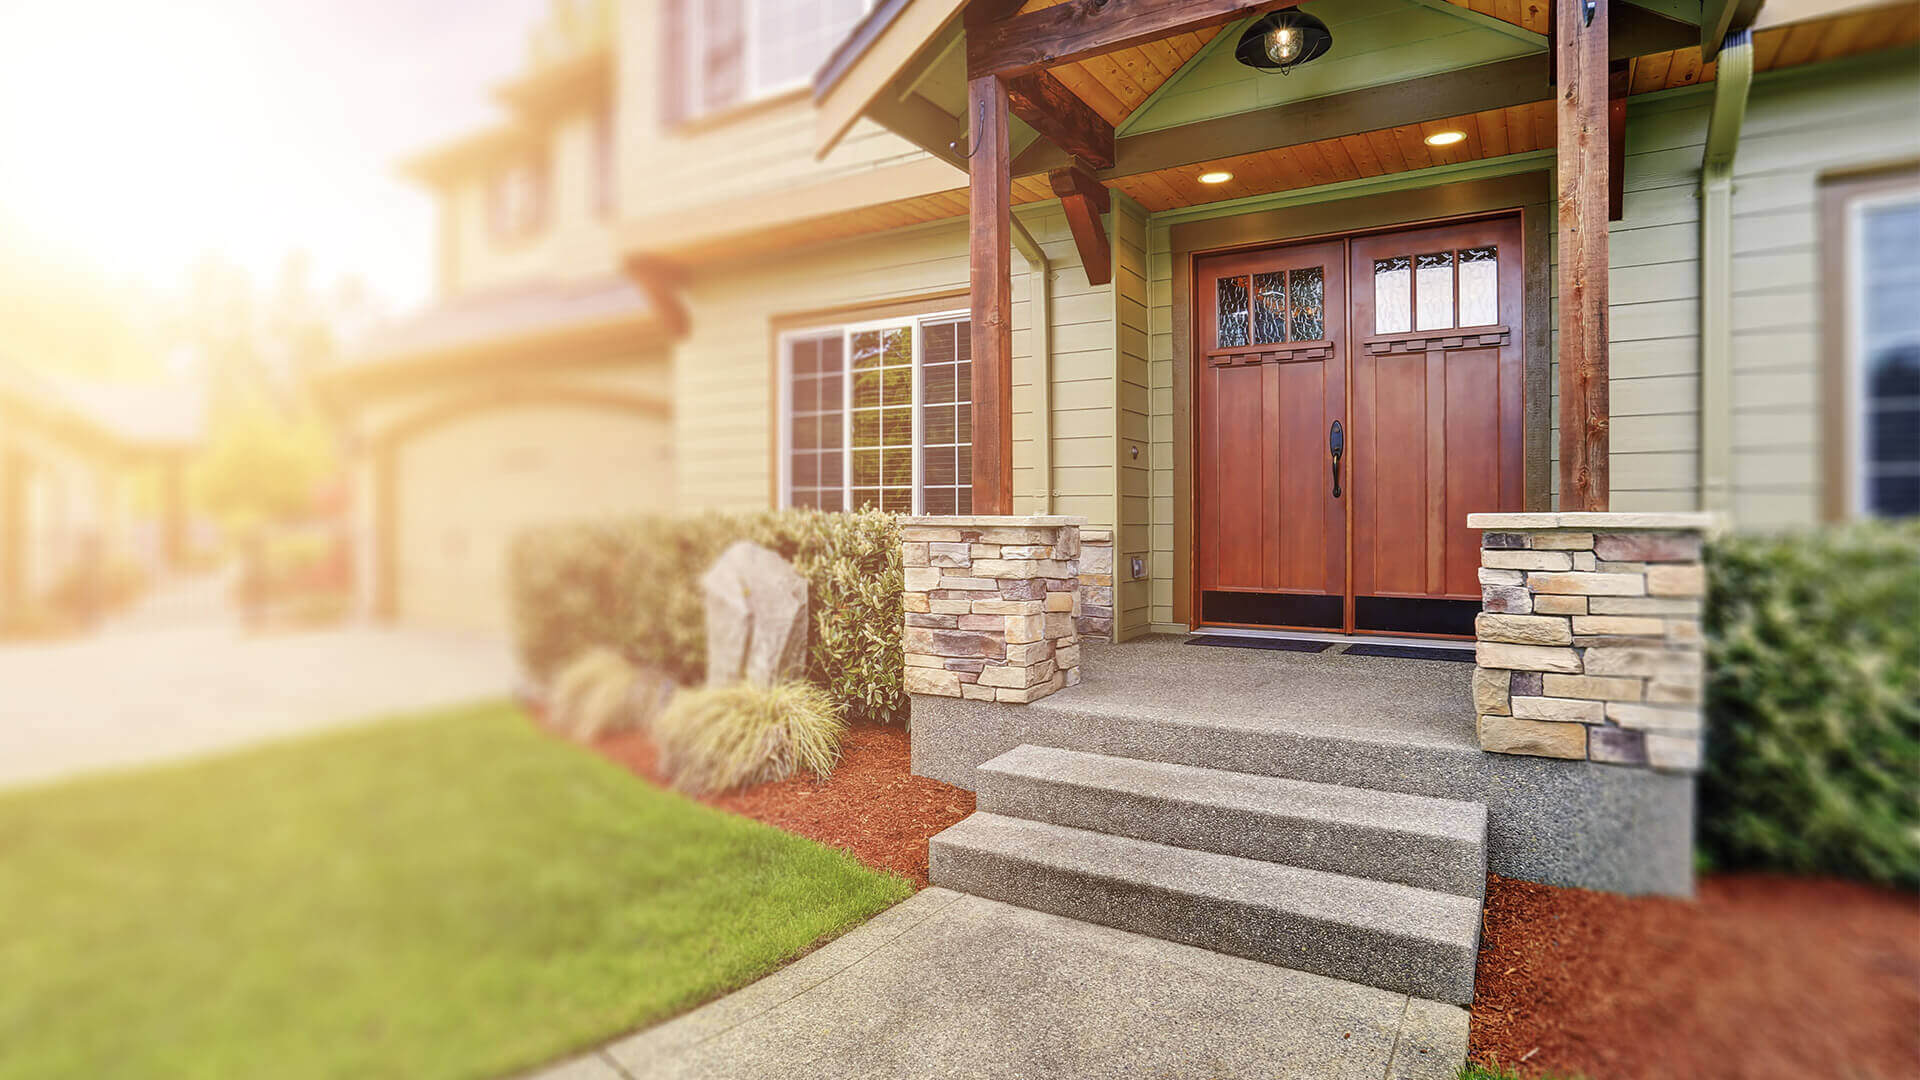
1730, 91
1040, 317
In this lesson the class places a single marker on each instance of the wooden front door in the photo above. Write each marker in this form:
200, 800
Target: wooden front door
1390, 362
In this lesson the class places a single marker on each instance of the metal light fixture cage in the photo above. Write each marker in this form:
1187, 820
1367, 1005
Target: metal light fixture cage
1315, 40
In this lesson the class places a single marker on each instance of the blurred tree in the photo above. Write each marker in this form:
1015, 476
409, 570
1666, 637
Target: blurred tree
262, 467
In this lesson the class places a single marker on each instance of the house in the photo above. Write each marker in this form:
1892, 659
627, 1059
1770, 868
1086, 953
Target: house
701, 213
1447, 324
72, 455
536, 388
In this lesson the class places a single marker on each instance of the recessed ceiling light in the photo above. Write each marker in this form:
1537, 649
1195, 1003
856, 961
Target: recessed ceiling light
1218, 176
1445, 138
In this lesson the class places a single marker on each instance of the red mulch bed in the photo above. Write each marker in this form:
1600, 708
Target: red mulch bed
1761, 978
872, 806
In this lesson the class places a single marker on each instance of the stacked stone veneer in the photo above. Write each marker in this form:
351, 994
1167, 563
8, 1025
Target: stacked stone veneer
991, 604
1589, 641
1096, 584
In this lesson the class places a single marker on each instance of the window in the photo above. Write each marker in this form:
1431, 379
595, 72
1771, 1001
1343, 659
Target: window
517, 200
879, 415
1883, 352
605, 173
1436, 291
728, 52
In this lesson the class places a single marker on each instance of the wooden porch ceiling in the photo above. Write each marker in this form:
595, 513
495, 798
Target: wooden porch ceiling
1116, 83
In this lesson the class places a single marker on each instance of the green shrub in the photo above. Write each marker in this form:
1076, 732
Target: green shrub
725, 737
1813, 703
634, 585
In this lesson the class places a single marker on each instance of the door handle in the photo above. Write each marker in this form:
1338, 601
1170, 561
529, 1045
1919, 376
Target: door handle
1336, 443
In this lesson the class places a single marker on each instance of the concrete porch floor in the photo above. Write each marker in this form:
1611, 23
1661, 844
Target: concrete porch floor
1162, 677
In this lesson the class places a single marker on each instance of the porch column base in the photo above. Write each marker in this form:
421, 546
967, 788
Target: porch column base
1588, 641
991, 606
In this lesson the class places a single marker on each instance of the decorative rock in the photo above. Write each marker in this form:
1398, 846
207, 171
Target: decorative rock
1502, 577
1629, 660
1591, 687
1676, 753
1509, 599
1494, 541
756, 617
1526, 560
1523, 629
1526, 682
1561, 541
1490, 691
1653, 718
1540, 738
1548, 708
1642, 605
1648, 547
1616, 746
1526, 657
1551, 604
957, 555
1625, 625
1677, 580
1588, 584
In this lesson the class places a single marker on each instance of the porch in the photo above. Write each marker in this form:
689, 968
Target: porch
1366, 723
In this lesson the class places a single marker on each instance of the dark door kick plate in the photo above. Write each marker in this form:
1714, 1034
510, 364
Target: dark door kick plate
1223, 641
1412, 652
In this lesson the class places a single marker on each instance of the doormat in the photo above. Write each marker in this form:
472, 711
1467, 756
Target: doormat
1222, 641
1412, 652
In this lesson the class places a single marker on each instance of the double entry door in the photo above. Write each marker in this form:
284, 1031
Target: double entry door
1356, 399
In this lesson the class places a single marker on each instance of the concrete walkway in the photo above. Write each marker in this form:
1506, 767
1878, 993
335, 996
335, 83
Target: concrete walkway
177, 677
949, 985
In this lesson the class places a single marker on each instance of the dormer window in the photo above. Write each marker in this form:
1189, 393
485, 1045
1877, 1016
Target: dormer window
517, 200
724, 53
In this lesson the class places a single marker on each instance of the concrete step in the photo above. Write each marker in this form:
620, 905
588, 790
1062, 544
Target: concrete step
1415, 941
1428, 843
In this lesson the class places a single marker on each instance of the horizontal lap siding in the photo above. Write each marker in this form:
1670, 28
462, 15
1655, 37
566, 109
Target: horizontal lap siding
1797, 128
1160, 421
1133, 325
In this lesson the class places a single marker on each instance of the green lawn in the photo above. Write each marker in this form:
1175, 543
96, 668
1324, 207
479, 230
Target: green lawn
445, 895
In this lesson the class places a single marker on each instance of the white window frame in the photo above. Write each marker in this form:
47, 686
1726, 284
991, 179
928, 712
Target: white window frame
752, 90
1859, 498
784, 391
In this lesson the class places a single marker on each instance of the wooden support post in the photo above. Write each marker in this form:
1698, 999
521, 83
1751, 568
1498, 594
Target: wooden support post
1619, 83
1580, 50
990, 264
1085, 200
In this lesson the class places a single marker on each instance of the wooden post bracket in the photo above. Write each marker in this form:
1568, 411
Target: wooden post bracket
1085, 200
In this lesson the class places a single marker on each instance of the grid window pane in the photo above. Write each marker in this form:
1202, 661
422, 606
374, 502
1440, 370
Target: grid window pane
1889, 358
1479, 286
1270, 308
1393, 295
1309, 293
945, 376
816, 422
1231, 311
1433, 291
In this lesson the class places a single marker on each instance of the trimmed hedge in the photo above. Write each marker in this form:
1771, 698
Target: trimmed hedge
634, 585
1813, 703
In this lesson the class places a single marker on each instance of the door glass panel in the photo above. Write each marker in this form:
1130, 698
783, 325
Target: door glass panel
1270, 308
1433, 289
1393, 295
1308, 288
1232, 311
1479, 286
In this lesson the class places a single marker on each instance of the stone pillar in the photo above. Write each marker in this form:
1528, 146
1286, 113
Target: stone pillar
990, 605
1589, 643
1096, 584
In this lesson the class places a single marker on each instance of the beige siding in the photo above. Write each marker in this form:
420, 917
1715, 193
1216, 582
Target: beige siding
762, 147
1132, 599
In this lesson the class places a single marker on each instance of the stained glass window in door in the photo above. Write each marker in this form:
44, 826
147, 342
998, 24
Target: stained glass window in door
1393, 295
1231, 311
1479, 286
1433, 291
1270, 308
1308, 288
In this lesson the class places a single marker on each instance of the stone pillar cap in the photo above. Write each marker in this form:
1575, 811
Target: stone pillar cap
1584, 519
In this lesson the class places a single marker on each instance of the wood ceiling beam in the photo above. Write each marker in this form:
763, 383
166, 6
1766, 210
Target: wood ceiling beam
1619, 85
1085, 200
1078, 29
1061, 118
